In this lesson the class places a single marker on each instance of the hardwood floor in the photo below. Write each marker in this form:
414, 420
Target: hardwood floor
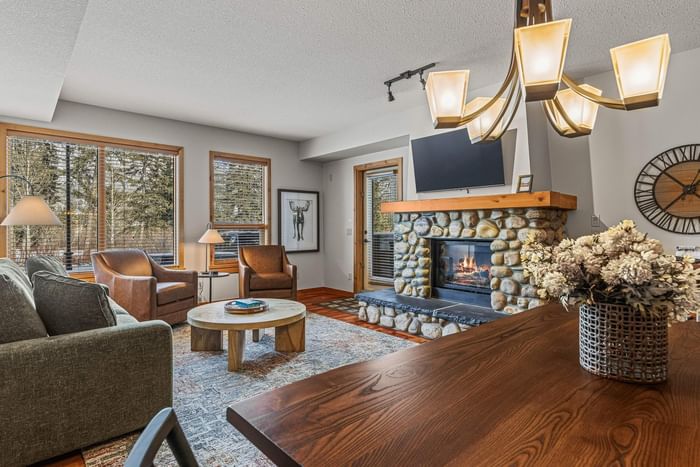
309, 297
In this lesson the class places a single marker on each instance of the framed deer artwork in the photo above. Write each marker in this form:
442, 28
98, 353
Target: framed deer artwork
298, 220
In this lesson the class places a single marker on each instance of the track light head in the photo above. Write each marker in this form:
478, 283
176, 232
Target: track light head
422, 80
390, 95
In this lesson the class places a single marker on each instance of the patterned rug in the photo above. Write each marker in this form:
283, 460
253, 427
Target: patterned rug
204, 388
348, 305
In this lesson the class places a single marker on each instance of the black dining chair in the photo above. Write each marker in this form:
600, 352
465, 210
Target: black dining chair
164, 426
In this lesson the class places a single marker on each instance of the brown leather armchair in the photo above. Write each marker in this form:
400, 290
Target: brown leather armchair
265, 272
143, 287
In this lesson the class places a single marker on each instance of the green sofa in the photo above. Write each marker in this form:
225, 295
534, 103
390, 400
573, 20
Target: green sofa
66, 392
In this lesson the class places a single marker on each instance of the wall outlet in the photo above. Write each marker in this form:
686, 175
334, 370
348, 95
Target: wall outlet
348, 232
595, 221
349, 276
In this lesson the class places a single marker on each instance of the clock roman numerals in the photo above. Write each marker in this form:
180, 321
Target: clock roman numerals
667, 190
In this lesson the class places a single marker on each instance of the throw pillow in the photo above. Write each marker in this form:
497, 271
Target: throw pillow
68, 305
44, 263
18, 317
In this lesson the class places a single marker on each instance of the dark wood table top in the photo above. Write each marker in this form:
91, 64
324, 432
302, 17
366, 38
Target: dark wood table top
507, 393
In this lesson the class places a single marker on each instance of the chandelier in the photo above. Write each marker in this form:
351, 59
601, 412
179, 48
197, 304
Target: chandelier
536, 71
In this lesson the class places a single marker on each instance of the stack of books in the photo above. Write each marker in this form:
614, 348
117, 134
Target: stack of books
245, 305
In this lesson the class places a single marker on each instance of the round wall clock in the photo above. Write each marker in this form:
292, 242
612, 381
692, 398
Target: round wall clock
667, 191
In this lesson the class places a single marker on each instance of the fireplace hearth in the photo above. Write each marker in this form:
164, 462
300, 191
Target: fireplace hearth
462, 270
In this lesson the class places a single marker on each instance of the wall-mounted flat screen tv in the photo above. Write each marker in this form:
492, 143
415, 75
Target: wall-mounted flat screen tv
449, 161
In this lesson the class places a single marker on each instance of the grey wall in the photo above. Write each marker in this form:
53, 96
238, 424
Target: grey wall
197, 140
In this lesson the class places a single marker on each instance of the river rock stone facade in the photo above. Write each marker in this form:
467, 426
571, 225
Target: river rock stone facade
507, 229
408, 321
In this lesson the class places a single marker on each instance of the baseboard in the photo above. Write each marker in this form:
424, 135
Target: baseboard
319, 290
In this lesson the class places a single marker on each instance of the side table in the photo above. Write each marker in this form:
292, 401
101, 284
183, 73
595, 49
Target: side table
212, 275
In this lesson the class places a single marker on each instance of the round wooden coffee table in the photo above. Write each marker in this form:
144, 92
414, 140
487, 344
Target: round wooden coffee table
210, 320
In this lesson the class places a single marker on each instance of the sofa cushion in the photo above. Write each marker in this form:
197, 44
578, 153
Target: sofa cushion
168, 292
18, 317
270, 280
45, 263
68, 305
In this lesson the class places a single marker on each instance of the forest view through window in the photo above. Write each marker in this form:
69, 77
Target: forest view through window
105, 196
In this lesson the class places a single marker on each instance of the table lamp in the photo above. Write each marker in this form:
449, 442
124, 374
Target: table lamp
30, 210
210, 237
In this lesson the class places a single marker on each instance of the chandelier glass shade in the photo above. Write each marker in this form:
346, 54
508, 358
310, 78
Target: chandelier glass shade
541, 50
479, 127
537, 72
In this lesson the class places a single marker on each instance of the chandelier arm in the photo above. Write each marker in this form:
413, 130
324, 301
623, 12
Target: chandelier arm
509, 79
549, 111
608, 102
514, 84
506, 125
565, 116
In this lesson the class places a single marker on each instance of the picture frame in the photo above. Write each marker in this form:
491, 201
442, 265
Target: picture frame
524, 184
298, 221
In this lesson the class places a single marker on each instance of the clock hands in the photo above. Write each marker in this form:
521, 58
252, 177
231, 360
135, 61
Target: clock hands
682, 195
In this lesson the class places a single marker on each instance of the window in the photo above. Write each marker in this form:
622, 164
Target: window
107, 195
239, 205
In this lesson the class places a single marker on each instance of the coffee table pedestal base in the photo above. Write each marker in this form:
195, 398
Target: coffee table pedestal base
291, 338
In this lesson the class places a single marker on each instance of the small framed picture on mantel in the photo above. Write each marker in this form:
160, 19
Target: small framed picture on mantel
298, 223
524, 184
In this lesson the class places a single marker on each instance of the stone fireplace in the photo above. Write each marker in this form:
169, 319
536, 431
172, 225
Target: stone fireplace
501, 232
457, 261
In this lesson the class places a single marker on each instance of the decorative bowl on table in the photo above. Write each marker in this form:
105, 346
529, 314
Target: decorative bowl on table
243, 306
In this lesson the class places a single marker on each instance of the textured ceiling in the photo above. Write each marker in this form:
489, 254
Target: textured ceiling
303, 68
36, 43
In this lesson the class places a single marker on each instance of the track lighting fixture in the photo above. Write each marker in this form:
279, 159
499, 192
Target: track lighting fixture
408, 74
389, 94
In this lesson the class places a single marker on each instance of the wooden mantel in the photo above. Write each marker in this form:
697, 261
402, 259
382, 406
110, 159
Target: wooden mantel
538, 199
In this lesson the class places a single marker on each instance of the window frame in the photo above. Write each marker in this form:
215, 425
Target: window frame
232, 264
8, 129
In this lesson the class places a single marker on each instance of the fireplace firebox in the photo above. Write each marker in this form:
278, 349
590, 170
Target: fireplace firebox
462, 270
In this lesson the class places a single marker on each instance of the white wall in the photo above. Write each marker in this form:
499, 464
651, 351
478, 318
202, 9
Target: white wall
623, 142
197, 140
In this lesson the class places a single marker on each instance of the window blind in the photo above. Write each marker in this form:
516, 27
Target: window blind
239, 192
380, 187
139, 202
240, 204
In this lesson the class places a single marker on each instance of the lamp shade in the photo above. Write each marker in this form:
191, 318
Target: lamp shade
31, 210
580, 110
640, 70
540, 51
446, 92
211, 236
478, 127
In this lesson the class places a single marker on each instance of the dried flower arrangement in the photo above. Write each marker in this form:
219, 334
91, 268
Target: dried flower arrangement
620, 265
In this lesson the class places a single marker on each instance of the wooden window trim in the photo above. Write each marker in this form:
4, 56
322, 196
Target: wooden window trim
10, 129
232, 265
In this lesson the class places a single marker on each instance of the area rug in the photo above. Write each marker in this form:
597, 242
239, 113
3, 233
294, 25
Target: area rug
348, 305
203, 388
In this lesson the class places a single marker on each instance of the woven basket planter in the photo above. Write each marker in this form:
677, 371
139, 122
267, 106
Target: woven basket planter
618, 343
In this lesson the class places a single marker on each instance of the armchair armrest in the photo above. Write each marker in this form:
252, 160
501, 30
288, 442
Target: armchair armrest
290, 269
65, 392
173, 275
244, 274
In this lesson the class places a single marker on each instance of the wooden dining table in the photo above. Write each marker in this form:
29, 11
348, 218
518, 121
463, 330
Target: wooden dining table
510, 392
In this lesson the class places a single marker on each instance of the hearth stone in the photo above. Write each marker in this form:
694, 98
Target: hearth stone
507, 229
430, 318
